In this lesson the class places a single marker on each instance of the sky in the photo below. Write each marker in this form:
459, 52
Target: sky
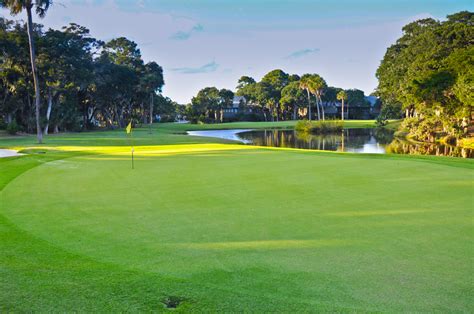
202, 43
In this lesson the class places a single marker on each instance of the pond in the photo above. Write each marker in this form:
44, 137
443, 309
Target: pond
360, 140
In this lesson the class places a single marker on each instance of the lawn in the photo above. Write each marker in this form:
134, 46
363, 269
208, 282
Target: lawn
225, 227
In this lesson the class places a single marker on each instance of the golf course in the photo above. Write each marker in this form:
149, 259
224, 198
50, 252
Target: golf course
205, 224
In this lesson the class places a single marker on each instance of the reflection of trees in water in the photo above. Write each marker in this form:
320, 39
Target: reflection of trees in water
354, 138
350, 139
398, 146
383, 136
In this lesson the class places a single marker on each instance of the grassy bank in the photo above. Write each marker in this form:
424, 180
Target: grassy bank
225, 227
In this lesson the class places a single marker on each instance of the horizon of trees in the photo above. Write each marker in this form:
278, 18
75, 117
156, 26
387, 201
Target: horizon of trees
277, 96
83, 82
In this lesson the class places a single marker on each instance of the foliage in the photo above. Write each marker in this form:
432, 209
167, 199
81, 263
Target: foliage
341, 95
429, 73
303, 125
166, 108
12, 128
84, 82
281, 96
327, 126
388, 112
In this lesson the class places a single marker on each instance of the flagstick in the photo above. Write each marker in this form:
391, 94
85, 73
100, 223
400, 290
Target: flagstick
129, 131
133, 149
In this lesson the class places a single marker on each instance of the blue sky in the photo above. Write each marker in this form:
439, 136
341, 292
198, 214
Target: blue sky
203, 43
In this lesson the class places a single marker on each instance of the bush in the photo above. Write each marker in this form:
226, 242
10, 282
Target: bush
303, 126
13, 128
327, 126
381, 121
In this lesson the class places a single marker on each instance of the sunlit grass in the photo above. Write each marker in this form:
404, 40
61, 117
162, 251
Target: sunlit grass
263, 245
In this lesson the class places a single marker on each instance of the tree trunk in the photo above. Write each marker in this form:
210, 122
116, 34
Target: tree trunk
322, 107
84, 117
294, 112
342, 113
317, 107
151, 109
48, 112
39, 133
28, 123
309, 105
342, 140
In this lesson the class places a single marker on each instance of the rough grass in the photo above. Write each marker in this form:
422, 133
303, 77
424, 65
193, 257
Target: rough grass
221, 227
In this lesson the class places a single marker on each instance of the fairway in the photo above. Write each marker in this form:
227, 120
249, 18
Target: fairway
225, 227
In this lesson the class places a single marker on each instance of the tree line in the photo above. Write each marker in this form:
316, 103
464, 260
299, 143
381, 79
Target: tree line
428, 75
65, 79
277, 96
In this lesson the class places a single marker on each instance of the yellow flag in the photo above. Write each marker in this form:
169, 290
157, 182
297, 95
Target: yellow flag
129, 128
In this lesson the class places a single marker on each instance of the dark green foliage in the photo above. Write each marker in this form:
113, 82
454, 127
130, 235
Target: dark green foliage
388, 112
429, 73
80, 88
12, 128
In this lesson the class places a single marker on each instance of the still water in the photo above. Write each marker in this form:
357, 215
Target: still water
370, 140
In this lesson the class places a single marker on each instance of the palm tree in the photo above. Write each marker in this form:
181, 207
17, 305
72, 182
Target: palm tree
306, 84
318, 85
342, 95
41, 6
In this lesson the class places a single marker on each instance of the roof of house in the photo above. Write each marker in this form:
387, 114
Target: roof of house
236, 101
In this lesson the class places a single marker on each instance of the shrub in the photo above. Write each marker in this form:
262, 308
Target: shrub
13, 128
381, 121
326, 126
303, 126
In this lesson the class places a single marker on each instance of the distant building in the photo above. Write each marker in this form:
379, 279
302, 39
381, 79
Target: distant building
332, 109
370, 109
238, 107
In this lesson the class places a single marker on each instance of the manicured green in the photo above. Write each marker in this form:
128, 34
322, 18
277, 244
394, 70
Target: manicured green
231, 227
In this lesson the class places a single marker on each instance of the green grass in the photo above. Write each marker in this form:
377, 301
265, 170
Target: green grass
230, 227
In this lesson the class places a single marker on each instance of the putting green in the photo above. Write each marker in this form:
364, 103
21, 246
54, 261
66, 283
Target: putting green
262, 229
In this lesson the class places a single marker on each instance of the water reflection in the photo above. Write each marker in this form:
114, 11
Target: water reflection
378, 141
398, 146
